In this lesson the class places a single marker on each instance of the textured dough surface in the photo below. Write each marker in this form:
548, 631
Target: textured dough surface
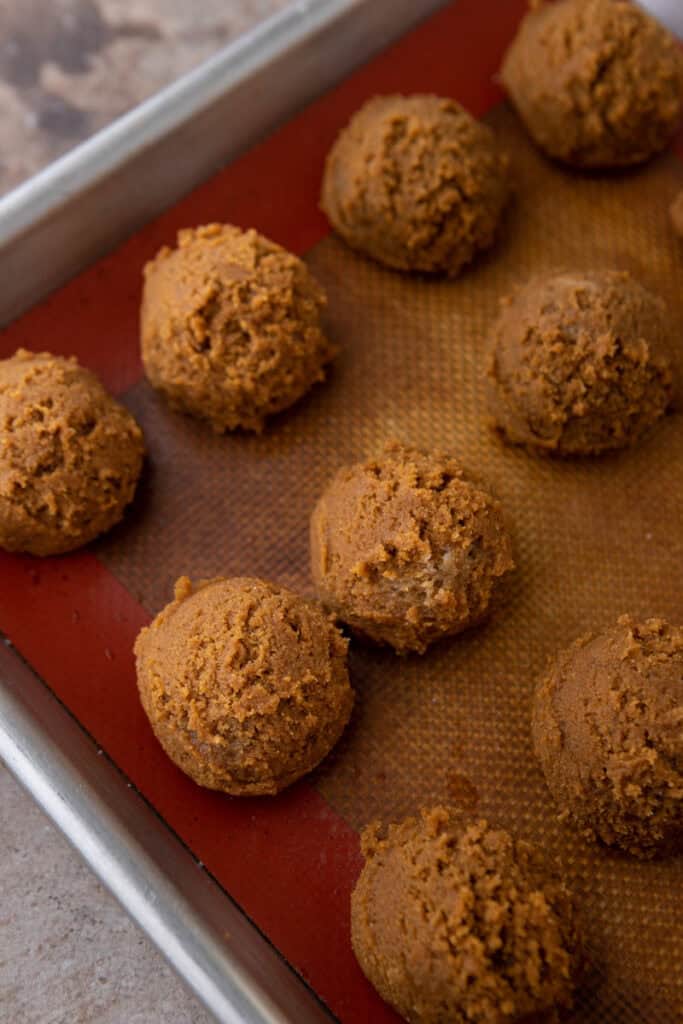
607, 727
70, 455
676, 214
598, 83
406, 550
230, 326
416, 183
580, 363
244, 683
462, 923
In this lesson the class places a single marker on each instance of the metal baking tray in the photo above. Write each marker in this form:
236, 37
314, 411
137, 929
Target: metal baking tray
51, 227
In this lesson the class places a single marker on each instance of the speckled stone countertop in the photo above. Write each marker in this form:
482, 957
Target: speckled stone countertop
69, 67
68, 953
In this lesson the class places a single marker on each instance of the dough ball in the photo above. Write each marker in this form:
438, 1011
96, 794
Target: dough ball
244, 683
676, 213
607, 727
598, 83
406, 550
416, 183
462, 923
230, 326
70, 455
580, 363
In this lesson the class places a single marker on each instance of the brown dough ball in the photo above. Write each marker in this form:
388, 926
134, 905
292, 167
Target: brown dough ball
230, 326
598, 83
462, 923
676, 213
244, 683
416, 183
580, 363
607, 727
70, 455
406, 550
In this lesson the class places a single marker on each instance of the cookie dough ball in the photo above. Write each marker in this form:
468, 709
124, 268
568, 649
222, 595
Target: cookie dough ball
244, 683
598, 83
462, 923
580, 363
230, 326
70, 455
406, 550
416, 183
676, 213
607, 727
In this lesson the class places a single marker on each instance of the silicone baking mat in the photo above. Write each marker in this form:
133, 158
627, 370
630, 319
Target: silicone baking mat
592, 538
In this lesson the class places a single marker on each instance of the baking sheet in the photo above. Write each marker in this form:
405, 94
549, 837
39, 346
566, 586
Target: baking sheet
592, 539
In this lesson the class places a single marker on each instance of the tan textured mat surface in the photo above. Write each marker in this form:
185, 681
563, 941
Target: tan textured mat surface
592, 539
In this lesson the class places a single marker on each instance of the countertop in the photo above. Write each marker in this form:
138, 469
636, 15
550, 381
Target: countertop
68, 953
69, 67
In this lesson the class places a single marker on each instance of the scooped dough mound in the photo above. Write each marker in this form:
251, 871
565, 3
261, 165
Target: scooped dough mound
598, 83
607, 726
462, 923
580, 363
244, 683
406, 550
230, 326
416, 183
676, 213
70, 455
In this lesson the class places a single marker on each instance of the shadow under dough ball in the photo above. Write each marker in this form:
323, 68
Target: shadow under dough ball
461, 922
607, 726
416, 183
244, 683
580, 363
70, 455
230, 326
406, 550
598, 83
